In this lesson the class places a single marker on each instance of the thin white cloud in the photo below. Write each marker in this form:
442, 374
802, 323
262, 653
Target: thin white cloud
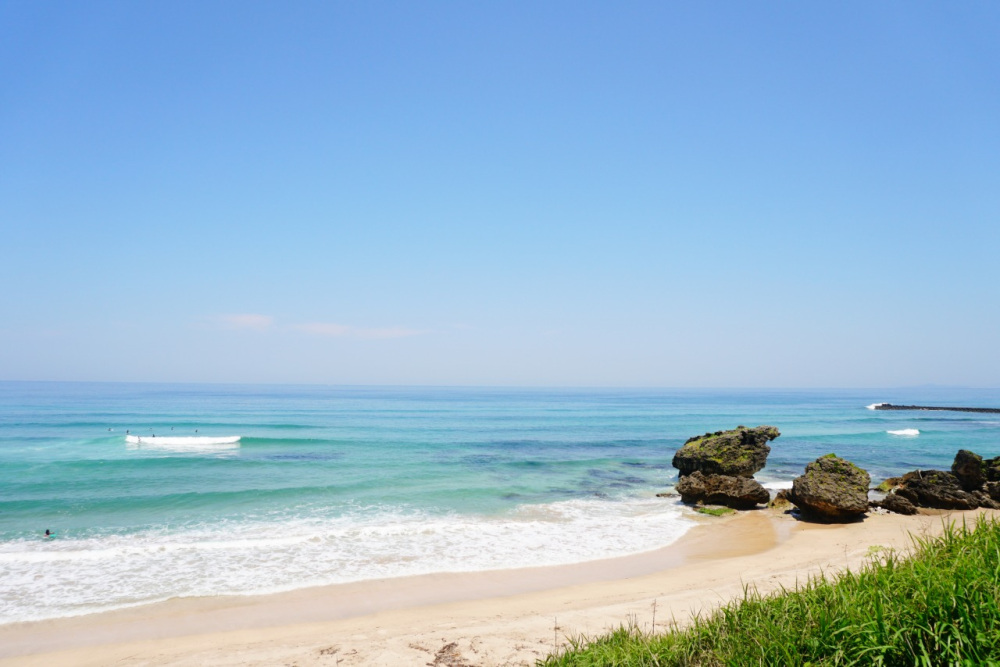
343, 330
387, 332
246, 321
322, 329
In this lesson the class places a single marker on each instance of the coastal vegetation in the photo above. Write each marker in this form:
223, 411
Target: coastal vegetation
715, 511
938, 606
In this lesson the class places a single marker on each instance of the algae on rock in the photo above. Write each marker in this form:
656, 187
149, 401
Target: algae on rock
831, 489
739, 452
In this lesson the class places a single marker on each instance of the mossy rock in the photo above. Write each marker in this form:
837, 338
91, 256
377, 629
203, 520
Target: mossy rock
887, 485
970, 469
936, 489
831, 489
740, 493
739, 452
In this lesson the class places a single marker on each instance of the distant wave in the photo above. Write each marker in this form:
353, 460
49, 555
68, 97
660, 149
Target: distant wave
203, 444
905, 431
874, 406
194, 440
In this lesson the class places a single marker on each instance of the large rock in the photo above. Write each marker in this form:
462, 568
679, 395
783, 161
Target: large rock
983, 499
738, 453
992, 469
936, 489
969, 469
737, 492
896, 503
831, 489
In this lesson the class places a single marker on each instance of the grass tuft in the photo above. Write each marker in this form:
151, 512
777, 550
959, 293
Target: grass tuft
940, 606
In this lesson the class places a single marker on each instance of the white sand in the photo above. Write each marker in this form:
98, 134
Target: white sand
509, 617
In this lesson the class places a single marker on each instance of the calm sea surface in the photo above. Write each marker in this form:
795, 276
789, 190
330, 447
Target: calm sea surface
338, 484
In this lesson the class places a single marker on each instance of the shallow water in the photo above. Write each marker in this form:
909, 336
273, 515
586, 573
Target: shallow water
334, 484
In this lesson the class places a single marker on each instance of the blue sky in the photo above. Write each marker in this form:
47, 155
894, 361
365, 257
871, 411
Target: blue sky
517, 193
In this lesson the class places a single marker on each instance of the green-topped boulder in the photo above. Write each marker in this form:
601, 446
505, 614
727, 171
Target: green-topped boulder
831, 489
739, 452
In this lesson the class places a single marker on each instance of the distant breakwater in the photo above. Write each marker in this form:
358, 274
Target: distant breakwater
890, 406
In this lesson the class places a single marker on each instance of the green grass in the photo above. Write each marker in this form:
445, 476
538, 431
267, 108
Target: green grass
941, 606
715, 511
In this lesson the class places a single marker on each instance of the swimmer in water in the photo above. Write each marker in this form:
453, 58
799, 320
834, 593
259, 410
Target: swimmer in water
48, 533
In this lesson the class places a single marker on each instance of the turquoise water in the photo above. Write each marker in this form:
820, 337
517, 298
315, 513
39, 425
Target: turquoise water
335, 484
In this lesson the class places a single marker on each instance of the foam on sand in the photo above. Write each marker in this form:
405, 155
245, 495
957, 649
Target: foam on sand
270, 553
909, 432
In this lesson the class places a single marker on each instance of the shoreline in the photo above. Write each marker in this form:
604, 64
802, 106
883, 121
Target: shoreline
494, 617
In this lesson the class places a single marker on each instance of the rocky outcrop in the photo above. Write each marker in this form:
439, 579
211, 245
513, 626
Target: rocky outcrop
992, 469
888, 484
935, 489
831, 489
717, 468
728, 490
973, 482
739, 452
969, 469
896, 503
983, 500
780, 500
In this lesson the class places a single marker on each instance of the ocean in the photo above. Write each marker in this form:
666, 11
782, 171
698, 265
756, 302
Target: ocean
338, 484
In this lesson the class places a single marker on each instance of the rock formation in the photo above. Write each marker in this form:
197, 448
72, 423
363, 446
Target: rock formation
969, 469
896, 503
717, 468
937, 489
742, 493
740, 452
831, 489
973, 482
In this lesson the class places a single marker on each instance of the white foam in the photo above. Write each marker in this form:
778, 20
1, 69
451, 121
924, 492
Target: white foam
911, 432
64, 577
184, 444
874, 406
777, 486
182, 440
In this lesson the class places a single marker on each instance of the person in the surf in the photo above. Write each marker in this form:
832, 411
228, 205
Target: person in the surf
48, 533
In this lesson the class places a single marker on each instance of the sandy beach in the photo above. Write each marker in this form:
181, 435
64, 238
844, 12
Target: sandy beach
510, 617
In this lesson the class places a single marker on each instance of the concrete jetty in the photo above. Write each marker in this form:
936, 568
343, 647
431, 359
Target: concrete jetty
890, 406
